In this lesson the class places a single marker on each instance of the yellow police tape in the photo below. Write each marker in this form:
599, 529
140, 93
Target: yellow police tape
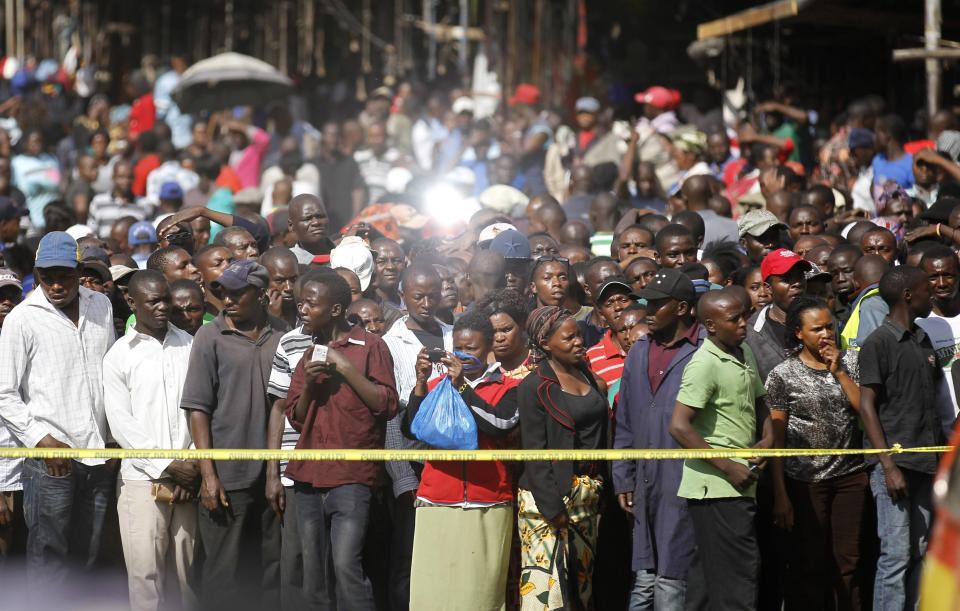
458, 455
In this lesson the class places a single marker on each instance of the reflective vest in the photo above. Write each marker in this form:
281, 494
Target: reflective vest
848, 337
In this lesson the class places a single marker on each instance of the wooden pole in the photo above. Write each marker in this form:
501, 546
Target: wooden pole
931, 42
8, 21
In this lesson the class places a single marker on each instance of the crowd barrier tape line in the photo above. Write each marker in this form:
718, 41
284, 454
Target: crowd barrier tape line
447, 455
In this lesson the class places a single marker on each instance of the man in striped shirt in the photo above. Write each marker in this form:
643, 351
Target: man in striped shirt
607, 356
107, 208
281, 434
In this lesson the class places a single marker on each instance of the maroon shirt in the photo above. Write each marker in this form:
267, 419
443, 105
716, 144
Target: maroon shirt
660, 355
336, 417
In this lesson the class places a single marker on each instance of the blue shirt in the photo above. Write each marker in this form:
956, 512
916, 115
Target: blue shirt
899, 171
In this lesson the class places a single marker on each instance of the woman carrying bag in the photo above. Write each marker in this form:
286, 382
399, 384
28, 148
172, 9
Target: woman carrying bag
561, 407
464, 510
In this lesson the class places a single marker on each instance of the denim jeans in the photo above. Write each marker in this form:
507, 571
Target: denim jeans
650, 591
333, 525
903, 527
64, 517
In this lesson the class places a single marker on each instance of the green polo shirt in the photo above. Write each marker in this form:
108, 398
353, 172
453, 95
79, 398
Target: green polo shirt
724, 392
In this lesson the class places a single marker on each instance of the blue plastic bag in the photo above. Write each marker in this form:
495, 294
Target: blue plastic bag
444, 420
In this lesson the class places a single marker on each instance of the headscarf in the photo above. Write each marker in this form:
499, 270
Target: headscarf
541, 325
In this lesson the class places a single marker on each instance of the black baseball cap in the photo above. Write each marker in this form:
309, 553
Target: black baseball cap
9, 209
669, 283
615, 282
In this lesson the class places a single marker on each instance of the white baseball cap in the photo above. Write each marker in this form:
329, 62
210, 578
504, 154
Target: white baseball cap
352, 253
491, 231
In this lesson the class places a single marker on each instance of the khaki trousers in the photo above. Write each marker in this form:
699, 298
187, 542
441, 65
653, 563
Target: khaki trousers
158, 539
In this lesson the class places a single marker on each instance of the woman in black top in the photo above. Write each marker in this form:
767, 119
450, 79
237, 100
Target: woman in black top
561, 407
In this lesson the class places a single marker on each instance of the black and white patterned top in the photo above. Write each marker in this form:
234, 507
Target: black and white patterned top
820, 417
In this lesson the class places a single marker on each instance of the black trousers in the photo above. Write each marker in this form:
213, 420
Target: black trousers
728, 553
241, 544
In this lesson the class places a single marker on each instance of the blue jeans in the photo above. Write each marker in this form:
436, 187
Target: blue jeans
650, 591
903, 527
64, 518
333, 525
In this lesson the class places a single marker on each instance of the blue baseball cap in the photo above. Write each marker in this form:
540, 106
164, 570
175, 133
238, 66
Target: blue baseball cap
9, 209
57, 249
171, 190
141, 233
511, 244
242, 274
860, 138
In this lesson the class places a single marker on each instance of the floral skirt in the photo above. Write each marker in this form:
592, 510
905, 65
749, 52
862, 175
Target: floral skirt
557, 565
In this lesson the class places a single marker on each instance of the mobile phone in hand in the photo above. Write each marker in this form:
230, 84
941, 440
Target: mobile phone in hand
319, 354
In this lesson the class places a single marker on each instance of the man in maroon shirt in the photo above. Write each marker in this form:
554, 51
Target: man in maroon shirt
339, 400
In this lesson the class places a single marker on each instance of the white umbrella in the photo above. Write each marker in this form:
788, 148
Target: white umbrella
230, 79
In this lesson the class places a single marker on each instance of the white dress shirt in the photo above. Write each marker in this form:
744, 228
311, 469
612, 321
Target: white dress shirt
142, 383
51, 371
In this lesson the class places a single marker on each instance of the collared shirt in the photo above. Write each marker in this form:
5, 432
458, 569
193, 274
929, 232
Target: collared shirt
337, 418
292, 346
227, 379
142, 383
724, 391
606, 360
902, 366
661, 355
404, 348
51, 372
105, 209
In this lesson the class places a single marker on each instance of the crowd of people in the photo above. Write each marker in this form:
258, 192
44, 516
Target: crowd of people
242, 279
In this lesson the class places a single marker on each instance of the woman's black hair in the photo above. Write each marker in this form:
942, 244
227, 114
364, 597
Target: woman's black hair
506, 301
739, 277
794, 321
475, 320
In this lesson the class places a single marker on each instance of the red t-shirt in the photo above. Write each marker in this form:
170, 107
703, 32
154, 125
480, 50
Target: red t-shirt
143, 168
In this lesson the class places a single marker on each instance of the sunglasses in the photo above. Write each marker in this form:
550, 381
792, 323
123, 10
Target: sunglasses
549, 258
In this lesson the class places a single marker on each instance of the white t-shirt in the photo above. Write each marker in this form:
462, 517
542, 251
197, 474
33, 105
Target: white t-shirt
944, 334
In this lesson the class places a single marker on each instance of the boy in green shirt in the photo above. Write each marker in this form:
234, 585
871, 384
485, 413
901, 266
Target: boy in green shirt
718, 406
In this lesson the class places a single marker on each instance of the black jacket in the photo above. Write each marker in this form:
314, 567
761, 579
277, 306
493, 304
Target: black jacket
545, 424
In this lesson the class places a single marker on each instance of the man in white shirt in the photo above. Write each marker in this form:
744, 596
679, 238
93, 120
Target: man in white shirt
942, 326
411, 333
169, 170
143, 377
51, 396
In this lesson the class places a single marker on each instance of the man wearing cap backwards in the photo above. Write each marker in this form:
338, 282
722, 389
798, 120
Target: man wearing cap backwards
142, 238
759, 234
60, 405
143, 375
225, 395
663, 542
784, 271
13, 531
515, 249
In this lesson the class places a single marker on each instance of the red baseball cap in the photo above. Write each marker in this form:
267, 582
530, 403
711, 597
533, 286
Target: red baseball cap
525, 93
781, 261
659, 97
